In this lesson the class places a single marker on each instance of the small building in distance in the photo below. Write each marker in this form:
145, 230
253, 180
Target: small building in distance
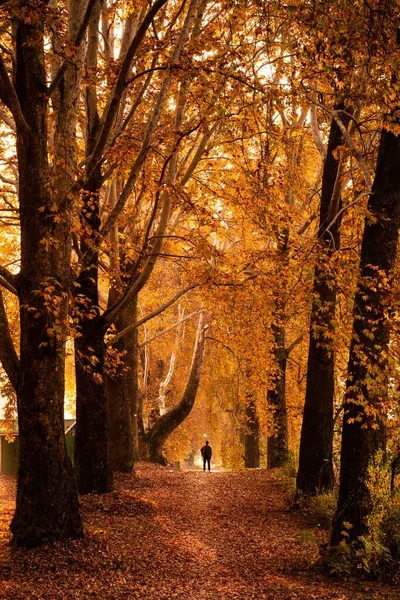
9, 445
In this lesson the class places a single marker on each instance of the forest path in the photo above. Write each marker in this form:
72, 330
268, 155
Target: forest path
168, 534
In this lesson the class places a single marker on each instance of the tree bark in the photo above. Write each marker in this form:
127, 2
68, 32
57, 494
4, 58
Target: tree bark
251, 435
47, 504
364, 431
278, 447
89, 366
122, 396
92, 467
315, 474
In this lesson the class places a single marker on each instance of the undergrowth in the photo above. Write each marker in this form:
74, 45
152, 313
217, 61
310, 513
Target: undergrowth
377, 555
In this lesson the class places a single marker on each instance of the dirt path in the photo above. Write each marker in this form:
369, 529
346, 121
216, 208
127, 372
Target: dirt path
167, 534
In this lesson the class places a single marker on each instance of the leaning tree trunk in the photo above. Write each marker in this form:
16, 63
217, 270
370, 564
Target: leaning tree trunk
315, 473
47, 504
251, 434
157, 435
366, 394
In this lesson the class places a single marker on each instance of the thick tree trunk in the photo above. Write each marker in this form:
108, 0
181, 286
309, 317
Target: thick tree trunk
251, 435
157, 435
278, 447
47, 504
122, 395
92, 467
366, 394
315, 473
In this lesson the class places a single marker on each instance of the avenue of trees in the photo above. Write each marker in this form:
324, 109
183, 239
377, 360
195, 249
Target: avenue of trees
199, 209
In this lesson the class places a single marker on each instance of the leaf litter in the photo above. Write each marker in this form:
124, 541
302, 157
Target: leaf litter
186, 535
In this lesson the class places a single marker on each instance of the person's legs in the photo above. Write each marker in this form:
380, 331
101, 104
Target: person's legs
208, 461
204, 464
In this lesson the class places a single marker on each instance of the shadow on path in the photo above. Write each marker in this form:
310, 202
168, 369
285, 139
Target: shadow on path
166, 534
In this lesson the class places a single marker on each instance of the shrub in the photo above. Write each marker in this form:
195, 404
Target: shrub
376, 553
320, 509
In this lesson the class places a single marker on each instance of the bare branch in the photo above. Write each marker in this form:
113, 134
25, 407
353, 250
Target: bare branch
357, 155
8, 355
8, 120
315, 131
9, 96
76, 42
154, 313
293, 345
164, 331
344, 208
12, 280
199, 153
4, 283
113, 104
151, 125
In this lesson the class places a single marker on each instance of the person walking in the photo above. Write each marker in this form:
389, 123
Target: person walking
206, 453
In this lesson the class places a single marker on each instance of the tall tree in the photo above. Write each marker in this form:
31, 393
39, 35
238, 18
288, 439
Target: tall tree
364, 428
47, 503
251, 434
92, 462
315, 473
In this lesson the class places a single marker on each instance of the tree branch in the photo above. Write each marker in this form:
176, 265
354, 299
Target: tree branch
8, 120
154, 313
357, 155
176, 415
167, 329
315, 131
293, 345
76, 42
344, 208
9, 96
113, 104
10, 279
8, 286
8, 355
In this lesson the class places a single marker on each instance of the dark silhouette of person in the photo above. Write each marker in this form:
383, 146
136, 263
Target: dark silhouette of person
206, 453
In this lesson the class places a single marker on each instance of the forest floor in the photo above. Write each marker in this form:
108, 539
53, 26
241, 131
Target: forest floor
168, 534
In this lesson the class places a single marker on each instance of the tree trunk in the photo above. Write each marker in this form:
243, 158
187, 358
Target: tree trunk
92, 467
315, 474
122, 395
47, 504
366, 394
251, 435
157, 435
278, 447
